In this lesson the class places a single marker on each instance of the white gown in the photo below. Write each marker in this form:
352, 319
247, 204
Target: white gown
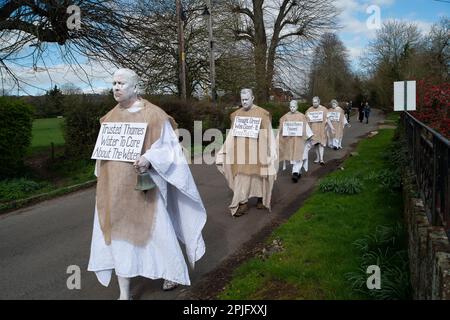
180, 215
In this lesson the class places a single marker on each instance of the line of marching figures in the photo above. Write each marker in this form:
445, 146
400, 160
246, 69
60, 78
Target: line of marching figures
138, 228
250, 157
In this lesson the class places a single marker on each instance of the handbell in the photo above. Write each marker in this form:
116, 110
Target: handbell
144, 181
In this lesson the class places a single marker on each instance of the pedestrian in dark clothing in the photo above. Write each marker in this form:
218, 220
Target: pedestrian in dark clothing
348, 111
367, 112
361, 112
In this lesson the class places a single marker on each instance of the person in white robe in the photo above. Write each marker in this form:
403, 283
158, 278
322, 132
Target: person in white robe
248, 159
294, 141
337, 117
318, 121
146, 243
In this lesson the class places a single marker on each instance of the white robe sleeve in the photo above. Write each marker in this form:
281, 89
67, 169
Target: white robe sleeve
309, 132
330, 125
182, 198
97, 163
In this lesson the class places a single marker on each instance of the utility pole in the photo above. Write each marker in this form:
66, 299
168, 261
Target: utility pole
182, 54
212, 62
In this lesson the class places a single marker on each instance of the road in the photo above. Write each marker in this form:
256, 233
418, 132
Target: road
37, 244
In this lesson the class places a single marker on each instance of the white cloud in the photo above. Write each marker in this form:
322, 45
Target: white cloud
90, 77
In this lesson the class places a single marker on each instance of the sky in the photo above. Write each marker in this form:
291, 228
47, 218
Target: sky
356, 34
358, 29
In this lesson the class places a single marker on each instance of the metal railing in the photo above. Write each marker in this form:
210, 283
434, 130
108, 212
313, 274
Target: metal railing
429, 155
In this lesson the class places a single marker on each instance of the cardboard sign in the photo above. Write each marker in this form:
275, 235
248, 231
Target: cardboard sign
293, 129
334, 116
247, 127
120, 141
315, 116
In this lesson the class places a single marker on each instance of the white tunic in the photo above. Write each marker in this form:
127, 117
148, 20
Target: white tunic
180, 215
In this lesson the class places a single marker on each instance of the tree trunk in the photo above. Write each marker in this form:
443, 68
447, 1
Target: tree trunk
270, 68
260, 54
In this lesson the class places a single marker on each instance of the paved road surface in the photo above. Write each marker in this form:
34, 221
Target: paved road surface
38, 243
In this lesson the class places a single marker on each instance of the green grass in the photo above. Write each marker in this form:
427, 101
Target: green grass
46, 131
74, 171
318, 240
393, 116
59, 173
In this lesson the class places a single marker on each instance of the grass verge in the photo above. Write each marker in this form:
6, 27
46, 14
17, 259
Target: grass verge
319, 242
63, 176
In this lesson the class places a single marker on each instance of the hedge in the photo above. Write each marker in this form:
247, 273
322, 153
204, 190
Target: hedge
16, 123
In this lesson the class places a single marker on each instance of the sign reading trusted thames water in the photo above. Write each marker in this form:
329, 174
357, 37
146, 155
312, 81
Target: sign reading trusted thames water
247, 127
120, 141
315, 116
293, 129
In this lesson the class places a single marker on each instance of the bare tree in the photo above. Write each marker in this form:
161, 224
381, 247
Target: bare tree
68, 89
392, 56
394, 43
273, 27
156, 57
330, 75
438, 47
28, 27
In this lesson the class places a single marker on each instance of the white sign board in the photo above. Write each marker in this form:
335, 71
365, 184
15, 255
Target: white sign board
293, 129
334, 116
315, 116
247, 127
120, 141
405, 96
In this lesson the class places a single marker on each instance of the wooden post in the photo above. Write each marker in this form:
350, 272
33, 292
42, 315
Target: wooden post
212, 62
182, 54
53, 151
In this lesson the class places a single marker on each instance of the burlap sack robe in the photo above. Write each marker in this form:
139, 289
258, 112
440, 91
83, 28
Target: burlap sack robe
318, 128
249, 165
125, 213
292, 148
251, 156
338, 126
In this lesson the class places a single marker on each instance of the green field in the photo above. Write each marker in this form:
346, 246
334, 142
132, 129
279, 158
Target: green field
52, 175
319, 240
46, 131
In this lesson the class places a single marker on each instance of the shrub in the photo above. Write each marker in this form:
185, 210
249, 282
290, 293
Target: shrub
277, 110
434, 106
16, 123
388, 179
384, 248
341, 185
18, 188
82, 124
186, 112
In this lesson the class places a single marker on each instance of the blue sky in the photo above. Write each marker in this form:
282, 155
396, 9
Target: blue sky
354, 33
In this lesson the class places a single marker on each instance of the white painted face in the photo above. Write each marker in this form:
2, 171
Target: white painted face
247, 100
124, 87
334, 105
293, 106
316, 103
